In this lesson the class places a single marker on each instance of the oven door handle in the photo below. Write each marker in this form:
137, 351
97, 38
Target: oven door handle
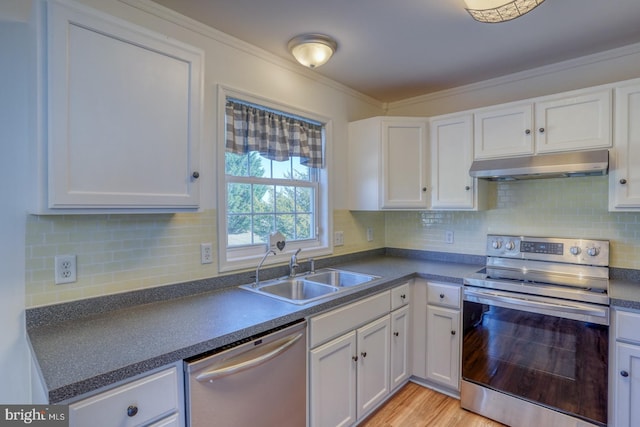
591, 313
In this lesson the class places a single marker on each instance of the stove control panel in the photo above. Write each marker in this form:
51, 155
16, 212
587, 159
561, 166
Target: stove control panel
565, 250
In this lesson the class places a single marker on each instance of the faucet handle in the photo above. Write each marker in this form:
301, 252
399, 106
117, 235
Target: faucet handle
312, 266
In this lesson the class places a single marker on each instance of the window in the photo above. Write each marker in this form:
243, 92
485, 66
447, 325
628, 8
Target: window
274, 180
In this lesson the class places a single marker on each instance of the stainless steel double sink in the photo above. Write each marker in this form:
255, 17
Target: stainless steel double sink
311, 287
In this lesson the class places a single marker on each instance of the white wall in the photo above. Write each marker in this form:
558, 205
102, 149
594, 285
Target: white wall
14, 352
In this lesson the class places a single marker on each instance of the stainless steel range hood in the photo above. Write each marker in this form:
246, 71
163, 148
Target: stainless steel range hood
575, 163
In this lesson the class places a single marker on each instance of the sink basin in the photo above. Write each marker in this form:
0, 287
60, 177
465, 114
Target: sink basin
340, 278
297, 291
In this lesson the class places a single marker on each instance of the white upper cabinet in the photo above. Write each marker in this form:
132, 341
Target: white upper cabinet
120, 111
503, 131
577, 120
451, 156
624, 159
580, 121
388, 163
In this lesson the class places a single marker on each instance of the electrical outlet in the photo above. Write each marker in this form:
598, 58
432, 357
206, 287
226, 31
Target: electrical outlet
206, 253
369, 234
65, 269
448, 236
338, 238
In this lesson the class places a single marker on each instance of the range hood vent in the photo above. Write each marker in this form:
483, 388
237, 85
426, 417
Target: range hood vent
560, 165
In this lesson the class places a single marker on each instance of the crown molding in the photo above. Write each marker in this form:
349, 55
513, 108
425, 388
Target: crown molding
633, 49
176, 18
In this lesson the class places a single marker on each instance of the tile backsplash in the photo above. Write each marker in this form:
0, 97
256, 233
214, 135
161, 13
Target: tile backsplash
119, 253
564, 207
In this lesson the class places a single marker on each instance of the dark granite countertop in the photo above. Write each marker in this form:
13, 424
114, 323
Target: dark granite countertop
80, 353
83, 346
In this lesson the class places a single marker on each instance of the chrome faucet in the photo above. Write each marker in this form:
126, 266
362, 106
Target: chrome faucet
255, 285
293, 263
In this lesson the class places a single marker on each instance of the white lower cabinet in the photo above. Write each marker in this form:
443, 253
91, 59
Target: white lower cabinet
443, 346
436, 318
154, 400
626, 371
358, 354
350, 375
400, 347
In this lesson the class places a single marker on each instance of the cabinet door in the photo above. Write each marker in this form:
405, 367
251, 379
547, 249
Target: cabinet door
503, 132
123, 114
624, 162
451, 157
373, 364
399, 346
443, 346
404, 164
332, 386
578, 122
627, 385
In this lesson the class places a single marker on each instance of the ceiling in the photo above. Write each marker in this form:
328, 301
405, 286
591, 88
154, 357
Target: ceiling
397, 49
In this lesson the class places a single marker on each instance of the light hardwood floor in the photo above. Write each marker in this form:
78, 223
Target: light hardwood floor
415, 406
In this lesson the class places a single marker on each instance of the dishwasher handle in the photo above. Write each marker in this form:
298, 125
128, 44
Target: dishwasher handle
248, 364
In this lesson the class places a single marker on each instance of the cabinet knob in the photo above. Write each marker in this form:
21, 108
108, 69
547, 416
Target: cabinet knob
441, 296
541, 130
403, 296
195, 175
395, 334
132, 411
363, 354
424, 188
354, 358
453, 332
527, 132
624, 373
623, 181
466, 187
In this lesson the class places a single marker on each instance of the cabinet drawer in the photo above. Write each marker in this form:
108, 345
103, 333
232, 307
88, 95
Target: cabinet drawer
627, 326
336, 322
443, 295
400, 296
153, 396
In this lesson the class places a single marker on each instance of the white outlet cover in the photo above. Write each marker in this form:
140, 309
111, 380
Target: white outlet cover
65, 269
206, 253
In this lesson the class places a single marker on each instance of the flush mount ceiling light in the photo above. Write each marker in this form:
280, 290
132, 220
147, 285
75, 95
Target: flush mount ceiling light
493, 11
312, 50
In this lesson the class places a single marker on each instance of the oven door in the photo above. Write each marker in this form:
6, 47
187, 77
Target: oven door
546, 351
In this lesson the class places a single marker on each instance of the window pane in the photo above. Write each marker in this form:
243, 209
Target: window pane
258, 165
304, 199
238, 230
304, 226
300, 172
262, 227
285, 199
286, 225
263, 198
282, 170
238, 198
236, 164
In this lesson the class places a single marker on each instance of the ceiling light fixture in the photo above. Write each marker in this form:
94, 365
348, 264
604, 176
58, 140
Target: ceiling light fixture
493, 11
312, 50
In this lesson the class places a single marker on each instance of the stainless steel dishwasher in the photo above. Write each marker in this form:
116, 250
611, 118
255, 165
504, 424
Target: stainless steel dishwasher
260, 382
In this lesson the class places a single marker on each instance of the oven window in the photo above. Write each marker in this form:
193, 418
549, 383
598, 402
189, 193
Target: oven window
556, 362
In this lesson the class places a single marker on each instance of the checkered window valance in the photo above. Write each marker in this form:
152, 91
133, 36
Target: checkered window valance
274, 135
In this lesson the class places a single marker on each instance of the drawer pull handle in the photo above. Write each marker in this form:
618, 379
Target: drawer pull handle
395, 334
441, 295
132, 411
624, 373
363, 354
453, 332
